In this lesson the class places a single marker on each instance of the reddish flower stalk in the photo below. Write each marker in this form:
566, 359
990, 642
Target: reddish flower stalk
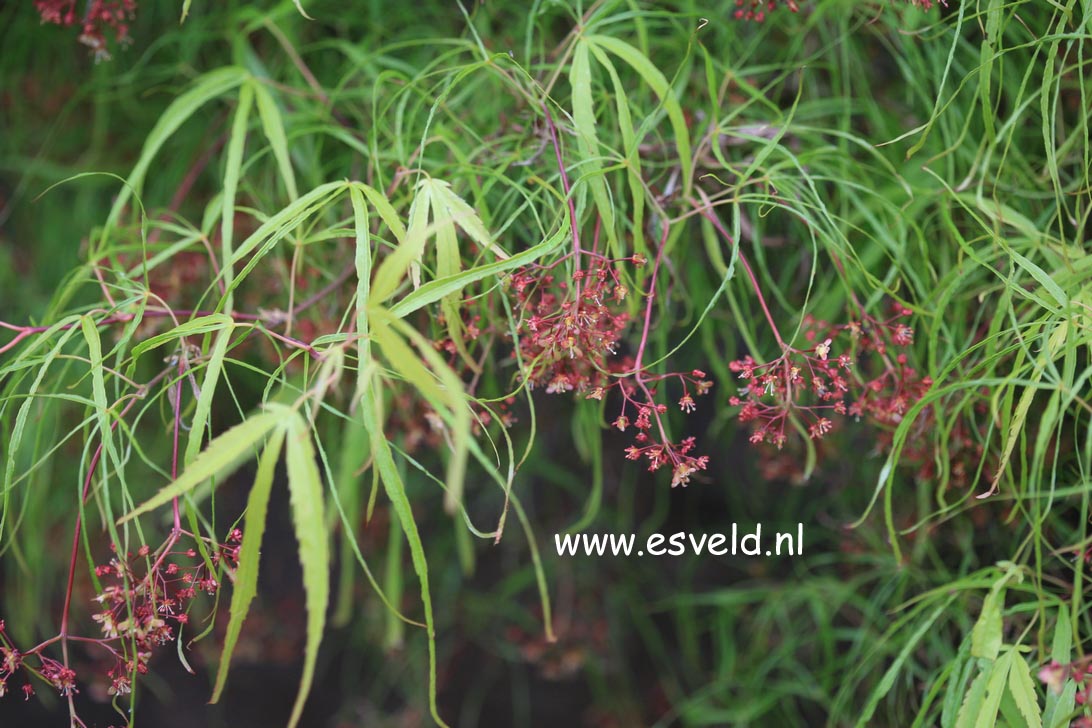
829, 378
137, 607
564, 186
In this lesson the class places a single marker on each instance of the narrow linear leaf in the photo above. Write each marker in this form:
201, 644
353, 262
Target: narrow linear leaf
654, 78
1062, 645
888, 680
436, 289
273, 128
588, 139
232, 170
204, 89
986, 633
1058, 711
995, 690
409, 253
1016, 423
246, 575
306, 498
396, 492
193, 327
208, 390
972, 701
362, 257
223, 456
958, 682
463, 215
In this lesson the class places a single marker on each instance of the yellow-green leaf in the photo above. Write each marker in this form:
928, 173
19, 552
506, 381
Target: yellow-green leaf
1023, 691
986, 633
306, 498
221, 458
396, 492
246, 575
273, 127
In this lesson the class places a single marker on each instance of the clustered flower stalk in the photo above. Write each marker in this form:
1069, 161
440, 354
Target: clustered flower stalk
145, 592
844, 370
569, 337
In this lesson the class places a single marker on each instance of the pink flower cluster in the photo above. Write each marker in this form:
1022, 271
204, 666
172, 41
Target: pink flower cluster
99, 18
569, 331
660, 451
142, 595
1055, 675
850, 370
569, 337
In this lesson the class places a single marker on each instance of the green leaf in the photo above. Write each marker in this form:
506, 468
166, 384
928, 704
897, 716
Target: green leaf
995, 690
278, 226
246, 575
273, 127
1058, 711
987, 53
587, 139
223, 456
232, 169
1023, 691
204, 89
654, 78
306, 498
888, 679
66, 330
986, 634
193, 327
962, 668
408, 254
396, 492
630, 147
436, 289
102, 406
1062, 646
447, 203
362, 257
1060, 705
446, 396
1055, 343
213, 368
972, 701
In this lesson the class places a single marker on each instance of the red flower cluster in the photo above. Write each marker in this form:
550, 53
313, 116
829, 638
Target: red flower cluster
134, 615
568, 332
100, 17
757, 10
850, 370
660, 452
137, 608
569, 337
1055, 675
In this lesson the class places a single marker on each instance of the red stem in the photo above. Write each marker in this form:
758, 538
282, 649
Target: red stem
711, 217
638, 363
565, 187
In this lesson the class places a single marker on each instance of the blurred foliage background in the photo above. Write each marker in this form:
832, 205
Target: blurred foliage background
865, 152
